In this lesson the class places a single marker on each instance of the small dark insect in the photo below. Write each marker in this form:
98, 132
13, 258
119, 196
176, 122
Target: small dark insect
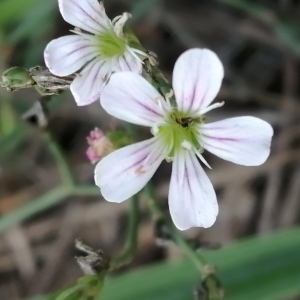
184, 122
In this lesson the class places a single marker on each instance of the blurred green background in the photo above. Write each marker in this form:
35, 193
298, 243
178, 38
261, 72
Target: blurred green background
258, 225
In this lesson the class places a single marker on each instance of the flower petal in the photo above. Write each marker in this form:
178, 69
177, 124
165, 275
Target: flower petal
197, 79
67, 54
242, 140
88, 15
126, 171
192, 199
87, 86
129, 62
131, 98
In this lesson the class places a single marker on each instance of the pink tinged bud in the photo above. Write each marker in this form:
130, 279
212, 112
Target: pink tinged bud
95, 134
99, 146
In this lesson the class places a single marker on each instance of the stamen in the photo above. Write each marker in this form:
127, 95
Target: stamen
186, 145
115, 19
154, 129
140, 52
119, 25
169, 95
169, 159
202, 159
77, 29
130, 50
211, 107
163, 106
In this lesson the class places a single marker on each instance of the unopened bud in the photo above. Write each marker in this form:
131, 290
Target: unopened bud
99, 145
17, 78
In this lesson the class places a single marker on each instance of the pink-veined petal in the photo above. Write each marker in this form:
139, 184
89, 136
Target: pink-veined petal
126, 171
88, 15
197, 79
241, 140
192, 199
87, 86
129, 62
67, 54
131, 98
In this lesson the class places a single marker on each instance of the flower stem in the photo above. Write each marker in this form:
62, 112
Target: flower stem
198, 261
209, 281
131, 238
85, 190
61, 161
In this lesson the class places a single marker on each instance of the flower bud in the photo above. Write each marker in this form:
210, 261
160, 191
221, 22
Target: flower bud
99, 145
16, 78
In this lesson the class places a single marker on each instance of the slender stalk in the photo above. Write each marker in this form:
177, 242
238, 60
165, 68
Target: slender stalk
86, 190
209, 280
197, 260
60, 159
132, 235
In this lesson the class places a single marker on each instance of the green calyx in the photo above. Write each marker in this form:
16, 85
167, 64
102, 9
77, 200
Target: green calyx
111, 45
16, 78
132, 40
181, 127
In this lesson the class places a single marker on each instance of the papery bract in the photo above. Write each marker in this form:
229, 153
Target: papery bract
96, 53
180, 135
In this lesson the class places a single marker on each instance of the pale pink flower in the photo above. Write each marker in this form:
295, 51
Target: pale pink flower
180, 135
98, 48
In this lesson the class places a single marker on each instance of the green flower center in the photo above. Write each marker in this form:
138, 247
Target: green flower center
181, 128
111, 45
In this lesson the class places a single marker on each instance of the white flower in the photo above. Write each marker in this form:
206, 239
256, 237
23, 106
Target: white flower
180, 135
97, 55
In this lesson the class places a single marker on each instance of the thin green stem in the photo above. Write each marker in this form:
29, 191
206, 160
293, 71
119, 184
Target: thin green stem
61, 161
86, 190
132, 235
209, 280
197, 260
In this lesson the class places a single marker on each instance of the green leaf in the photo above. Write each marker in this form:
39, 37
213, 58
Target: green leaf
261, 268
264, 267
